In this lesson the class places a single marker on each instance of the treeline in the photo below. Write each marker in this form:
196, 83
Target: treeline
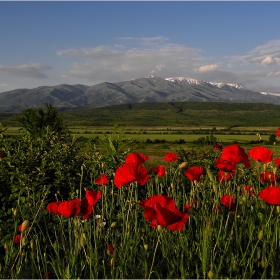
170, 114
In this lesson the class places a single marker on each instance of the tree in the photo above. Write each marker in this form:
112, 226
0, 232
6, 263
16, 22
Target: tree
272, 139
36, 121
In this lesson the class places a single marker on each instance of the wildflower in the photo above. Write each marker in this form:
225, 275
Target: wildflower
236, 154
278, 132
160, 210
194, 173
248, 189
23, 227
102, 180
170, 157
136, 158
159, 170
130, 172
47, 276
110, 249
224, 176
217, 209
17, 238
268, 177
277, 161
92, 197
271, 195
225, 165
75, 207
229, 201
261, 154
187, 207
218, 146
53, 206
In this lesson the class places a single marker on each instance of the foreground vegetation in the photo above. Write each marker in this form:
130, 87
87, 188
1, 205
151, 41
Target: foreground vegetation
103, 211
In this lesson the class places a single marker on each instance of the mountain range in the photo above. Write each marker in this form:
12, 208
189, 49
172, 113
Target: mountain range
147, 89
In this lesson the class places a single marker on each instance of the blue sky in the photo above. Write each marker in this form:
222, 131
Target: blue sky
51, 43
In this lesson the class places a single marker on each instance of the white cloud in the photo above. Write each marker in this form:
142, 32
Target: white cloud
207, 68
108, 64
273, 74
33, 70
264, 55
266, 61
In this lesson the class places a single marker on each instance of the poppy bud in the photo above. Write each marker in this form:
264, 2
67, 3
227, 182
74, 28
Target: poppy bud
14, 211
113, 224
183, 165
243, 200
23, 227
210, 274
6, 247
146, 246
159, 228
260, 235
112, 261
264, 167
31, 244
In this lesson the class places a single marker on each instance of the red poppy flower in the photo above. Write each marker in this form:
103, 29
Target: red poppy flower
268, 177
277, 161
47, 275
217, 209
159, 170
224, 165
194, 173
278, 132
247, 190
261, 154
161, 210
271, 195
130, 172
1, 156
110, 249
136, 158
92, 197
236, 154
17, 238
224, 176
229, 201
75, 207
52, 207
187, 207
23, 226
102, 180
170, 157
218, 146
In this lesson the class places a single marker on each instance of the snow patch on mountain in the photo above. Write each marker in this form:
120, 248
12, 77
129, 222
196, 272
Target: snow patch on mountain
194, 81
270, 93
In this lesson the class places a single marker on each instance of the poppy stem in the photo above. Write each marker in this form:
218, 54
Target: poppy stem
152, 264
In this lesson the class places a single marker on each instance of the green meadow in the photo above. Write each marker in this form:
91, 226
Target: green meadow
127, 200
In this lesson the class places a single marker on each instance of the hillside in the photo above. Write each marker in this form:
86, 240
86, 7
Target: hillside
148, 89
169, 114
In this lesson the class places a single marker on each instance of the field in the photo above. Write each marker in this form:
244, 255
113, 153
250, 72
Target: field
138, 201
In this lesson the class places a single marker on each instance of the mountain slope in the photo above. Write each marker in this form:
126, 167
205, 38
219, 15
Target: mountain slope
148, 89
